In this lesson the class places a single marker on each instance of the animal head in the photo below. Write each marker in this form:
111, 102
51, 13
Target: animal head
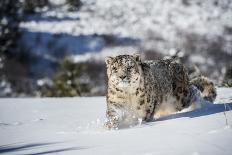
124, 70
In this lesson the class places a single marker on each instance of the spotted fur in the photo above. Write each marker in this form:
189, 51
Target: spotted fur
206, 87
139, 89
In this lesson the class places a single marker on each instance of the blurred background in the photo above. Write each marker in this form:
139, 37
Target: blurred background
56, 48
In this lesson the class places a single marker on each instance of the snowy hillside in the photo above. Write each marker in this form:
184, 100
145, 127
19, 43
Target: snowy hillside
102, 27
74, 126
160, 24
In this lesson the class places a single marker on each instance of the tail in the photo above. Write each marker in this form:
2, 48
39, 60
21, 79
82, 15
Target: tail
206, 87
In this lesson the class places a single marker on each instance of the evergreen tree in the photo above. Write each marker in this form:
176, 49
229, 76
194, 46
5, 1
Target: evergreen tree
9, 25
74, 5
67, 81
30, 6
10, 17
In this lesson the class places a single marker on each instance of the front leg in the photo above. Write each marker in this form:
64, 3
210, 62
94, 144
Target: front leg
114, 115
150, 106
112, 119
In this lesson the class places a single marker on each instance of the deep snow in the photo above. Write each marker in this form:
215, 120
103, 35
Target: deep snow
74, 126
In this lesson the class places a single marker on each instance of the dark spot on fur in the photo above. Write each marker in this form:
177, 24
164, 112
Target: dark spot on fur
142, 95
137, 91
185, 92
117, 105
179, 90
112, 92
110, 113
141, 102
138, 108
174, 86
118, 90
201, 88
148, 111
120, 96
148, 99
208, 98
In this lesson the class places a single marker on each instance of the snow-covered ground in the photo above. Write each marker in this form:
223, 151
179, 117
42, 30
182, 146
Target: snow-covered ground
75, 126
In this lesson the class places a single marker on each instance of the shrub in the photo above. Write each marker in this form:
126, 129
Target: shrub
68, 81
73, 5
30, 6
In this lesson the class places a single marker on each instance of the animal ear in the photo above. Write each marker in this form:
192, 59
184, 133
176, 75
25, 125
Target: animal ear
137, 57
108, 60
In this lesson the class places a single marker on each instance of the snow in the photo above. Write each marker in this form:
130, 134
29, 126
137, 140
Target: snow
75, 126
153, 28
160, 24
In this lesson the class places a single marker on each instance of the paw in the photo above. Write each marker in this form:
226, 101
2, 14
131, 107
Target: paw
111, 124
108, 125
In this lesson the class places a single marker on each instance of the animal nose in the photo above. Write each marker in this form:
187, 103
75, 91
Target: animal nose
122, 77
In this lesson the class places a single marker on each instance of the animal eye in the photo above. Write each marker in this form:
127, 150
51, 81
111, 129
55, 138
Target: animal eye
128, 69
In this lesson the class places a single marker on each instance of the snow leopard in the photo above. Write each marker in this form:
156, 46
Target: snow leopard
143, 89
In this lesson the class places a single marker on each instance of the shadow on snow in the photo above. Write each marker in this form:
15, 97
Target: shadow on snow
32, 147
39, 17
207, 109
47, 49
